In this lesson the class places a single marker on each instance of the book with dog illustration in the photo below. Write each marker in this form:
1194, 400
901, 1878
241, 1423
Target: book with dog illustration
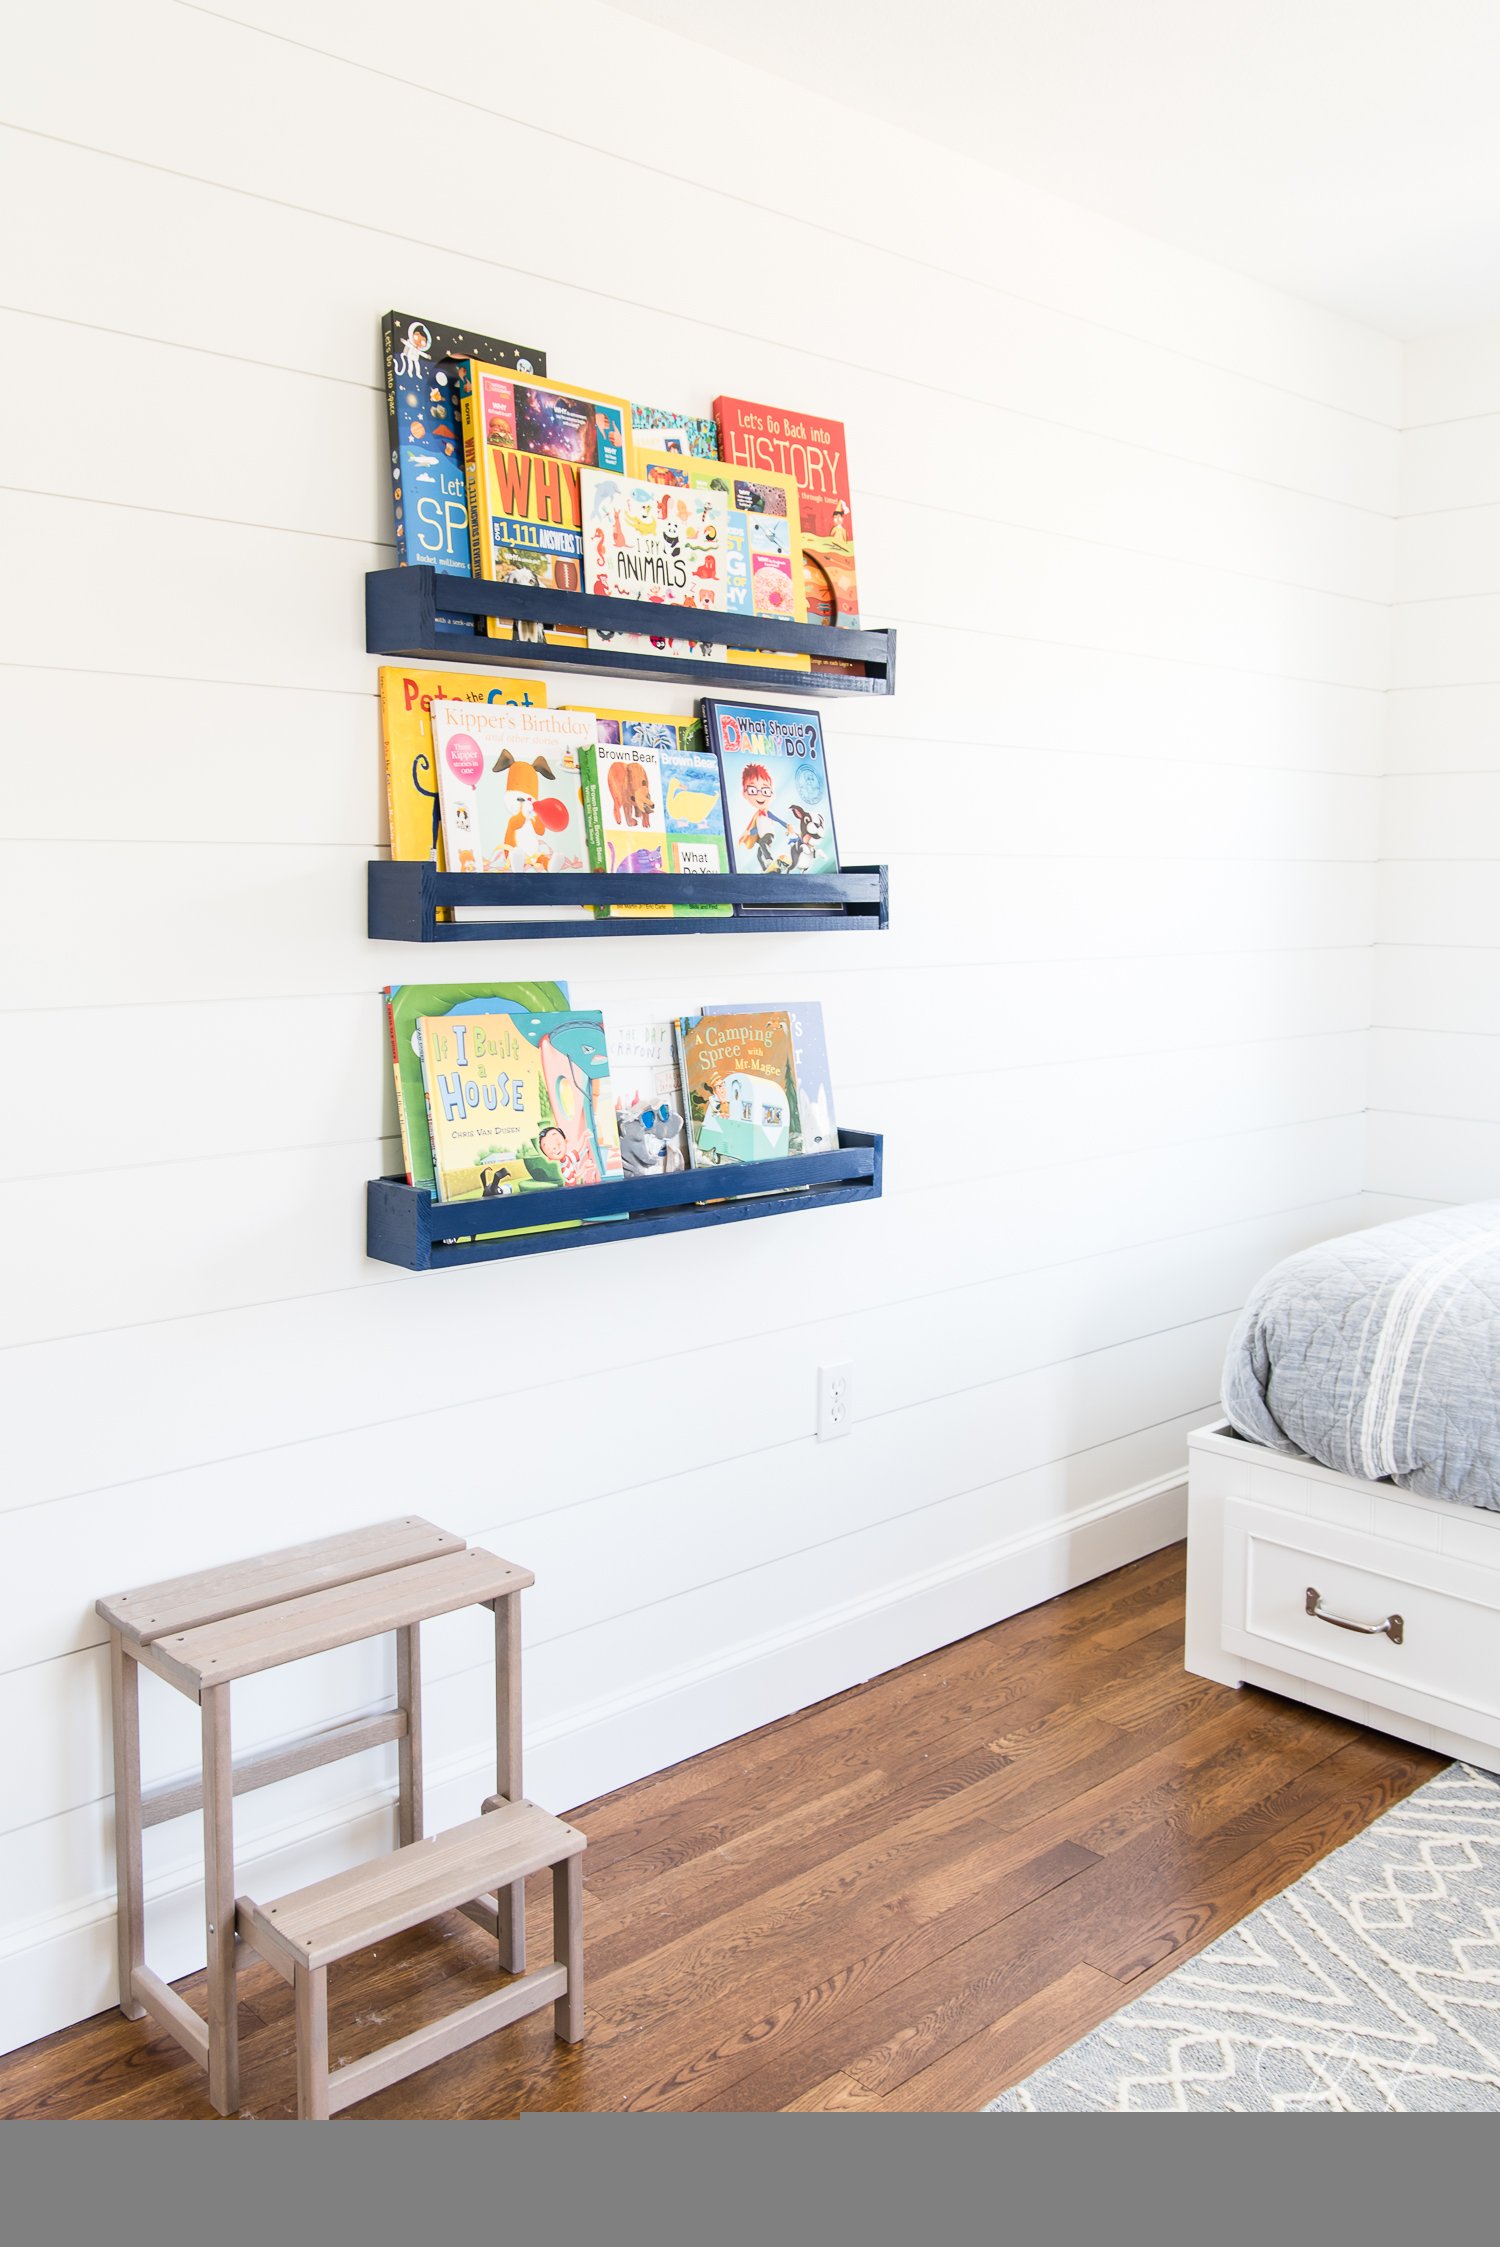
405, 1005
815, 453
411, 791
778, 814
815, 1117
427, 467
648, 1098
664, 543
763, 566
508, 786
739, 1085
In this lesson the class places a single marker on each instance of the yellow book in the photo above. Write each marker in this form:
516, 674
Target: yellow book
524, 441
763, 561
483, 1083
406, 699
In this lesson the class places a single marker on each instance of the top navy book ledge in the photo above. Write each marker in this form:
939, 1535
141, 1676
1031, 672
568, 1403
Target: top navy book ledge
402, 609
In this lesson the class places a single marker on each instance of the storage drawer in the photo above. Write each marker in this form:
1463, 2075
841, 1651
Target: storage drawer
1439, 1663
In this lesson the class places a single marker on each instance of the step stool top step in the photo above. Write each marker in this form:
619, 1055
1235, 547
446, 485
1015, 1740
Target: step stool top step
185, 1603
263, 1637
333, 1918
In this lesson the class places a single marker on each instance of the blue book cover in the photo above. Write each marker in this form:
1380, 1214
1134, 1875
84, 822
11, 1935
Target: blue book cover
778, 814
428, 493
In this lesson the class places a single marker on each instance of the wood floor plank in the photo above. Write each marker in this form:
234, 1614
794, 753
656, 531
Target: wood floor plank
904, 1898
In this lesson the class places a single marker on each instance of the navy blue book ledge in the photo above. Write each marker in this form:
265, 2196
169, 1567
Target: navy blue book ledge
405, 1226
401, 618
404, 896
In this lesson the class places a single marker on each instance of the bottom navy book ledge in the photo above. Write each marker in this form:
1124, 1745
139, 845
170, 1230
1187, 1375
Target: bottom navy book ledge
405, 1226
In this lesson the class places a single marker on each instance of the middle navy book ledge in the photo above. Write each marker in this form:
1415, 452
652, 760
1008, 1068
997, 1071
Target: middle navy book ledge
405, 895
405, 609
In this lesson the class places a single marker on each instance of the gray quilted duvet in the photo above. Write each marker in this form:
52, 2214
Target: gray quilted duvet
1378, 1354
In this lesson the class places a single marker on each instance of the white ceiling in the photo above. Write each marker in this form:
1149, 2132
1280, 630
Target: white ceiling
1347, 150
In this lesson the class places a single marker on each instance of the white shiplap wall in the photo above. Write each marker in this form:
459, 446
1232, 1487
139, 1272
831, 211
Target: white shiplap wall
1435, 1058
1133, 517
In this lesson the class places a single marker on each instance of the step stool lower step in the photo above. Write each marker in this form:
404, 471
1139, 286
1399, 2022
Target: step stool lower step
304, 1933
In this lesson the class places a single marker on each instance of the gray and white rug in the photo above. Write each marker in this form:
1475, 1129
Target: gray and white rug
1370, 1986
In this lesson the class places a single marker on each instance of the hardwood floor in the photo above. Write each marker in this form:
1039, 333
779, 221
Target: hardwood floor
904, 1898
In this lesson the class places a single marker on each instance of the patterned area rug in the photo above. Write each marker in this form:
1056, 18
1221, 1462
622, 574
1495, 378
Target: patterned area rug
1370, 1986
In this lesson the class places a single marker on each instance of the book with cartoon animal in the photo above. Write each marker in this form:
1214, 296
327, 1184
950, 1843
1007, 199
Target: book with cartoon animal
662, 430
648, 1098
518, 1103
815, 1116
405, 1005
411, 791
508, 787
654, 542
815, 453
622, 792
739, 1084
778, 814
428, 491
763, 557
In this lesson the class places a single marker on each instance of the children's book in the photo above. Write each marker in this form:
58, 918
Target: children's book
405, 1005
411, 792
654, 542
482, 1079
421, 401
668, 432
814, 452
693, 815
578, 1143
622, 815
739, 1083
648, 1098
518, 1102
763, 565
524, 508
815, 1117
777, 810
508, 787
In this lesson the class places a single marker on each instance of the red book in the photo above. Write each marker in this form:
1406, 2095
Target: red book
813, 451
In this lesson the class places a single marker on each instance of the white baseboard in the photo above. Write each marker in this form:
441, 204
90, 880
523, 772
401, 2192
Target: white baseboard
61, 1969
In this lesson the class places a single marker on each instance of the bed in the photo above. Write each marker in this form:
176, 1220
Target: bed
1344, 1518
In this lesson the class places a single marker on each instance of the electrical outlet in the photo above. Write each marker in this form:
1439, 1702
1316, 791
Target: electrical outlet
835, 1401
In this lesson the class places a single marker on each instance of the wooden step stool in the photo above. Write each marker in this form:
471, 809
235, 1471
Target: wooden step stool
305, 1933
199, 1633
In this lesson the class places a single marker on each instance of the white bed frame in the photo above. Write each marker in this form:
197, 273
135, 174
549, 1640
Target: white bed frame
1355, 1596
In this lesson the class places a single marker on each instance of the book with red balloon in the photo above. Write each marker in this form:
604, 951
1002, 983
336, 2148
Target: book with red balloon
509, 794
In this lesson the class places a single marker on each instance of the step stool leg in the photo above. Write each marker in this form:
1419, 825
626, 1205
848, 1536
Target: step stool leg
130, 1911
218, 1901
409, 1699
508, 1782
311, 1995
567, 1946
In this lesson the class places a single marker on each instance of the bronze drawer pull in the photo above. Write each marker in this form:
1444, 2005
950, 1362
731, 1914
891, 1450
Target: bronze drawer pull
1392, 1626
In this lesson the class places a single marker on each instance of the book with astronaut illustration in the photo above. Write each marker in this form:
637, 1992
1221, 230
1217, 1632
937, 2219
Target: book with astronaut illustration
429, 494
509, 791
740, 1087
